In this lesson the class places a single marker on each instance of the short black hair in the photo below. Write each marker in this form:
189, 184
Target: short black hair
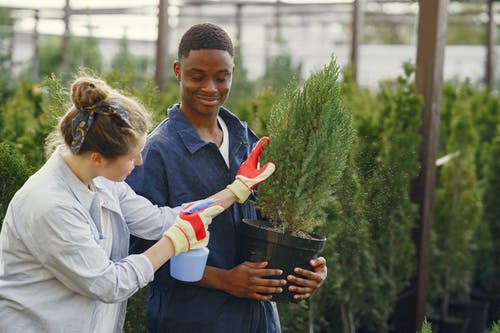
204, 36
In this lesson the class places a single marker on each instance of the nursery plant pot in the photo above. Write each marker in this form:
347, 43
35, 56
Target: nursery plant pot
448, 325
453, 325
494, 305
260, 243
476, 312
402, 317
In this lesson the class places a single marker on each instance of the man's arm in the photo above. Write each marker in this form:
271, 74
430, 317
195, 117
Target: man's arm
247, 280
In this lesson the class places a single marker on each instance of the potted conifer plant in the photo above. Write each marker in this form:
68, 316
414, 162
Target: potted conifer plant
311, 135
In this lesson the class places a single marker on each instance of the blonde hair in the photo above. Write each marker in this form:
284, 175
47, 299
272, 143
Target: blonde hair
109, 135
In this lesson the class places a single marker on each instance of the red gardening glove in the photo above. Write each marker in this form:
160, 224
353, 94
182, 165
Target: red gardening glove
249, 174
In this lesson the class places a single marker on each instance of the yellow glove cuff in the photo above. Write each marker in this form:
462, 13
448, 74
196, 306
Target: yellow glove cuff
240, 190
179, 239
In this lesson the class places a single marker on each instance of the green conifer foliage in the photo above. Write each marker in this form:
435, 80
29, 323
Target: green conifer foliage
84, 53
457, 205
495, 328
55, 103
20, 122
133, 70
488, 258
351, 263
352, 282
388, 161
280, 70
13, 173
311, 134
426, 327
369, 250
486, 115
255, 110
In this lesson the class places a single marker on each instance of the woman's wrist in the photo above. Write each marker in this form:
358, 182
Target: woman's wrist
160, 252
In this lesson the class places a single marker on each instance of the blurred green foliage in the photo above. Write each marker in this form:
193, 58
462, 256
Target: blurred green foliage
6, 78
495, 328
458, 208
84, 53
21, 121
13, 173
487, 122
426, 327
370, 252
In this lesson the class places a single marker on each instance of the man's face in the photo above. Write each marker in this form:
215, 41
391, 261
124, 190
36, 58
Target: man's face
205, 78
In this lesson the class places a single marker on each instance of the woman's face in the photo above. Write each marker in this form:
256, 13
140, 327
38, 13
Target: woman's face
118, 168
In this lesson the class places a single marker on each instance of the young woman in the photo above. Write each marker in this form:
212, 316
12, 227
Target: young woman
64, 263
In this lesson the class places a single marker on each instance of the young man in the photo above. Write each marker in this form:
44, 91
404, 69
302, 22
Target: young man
195, 152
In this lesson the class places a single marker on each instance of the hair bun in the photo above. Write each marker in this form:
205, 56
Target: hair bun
86, 92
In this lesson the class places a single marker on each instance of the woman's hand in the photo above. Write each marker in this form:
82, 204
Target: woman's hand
190, 228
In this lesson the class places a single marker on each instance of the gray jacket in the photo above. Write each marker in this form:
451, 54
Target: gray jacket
53, 270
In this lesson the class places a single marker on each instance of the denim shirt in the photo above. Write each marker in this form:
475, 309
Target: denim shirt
180, 167
54, 272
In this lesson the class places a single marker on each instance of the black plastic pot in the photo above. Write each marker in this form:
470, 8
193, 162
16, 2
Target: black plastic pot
494, 304
448, 325
475, 311
453, 325
259, 243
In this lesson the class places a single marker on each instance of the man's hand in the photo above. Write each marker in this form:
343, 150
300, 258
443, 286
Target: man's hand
311, 280
248, 280
249, 174
190, 228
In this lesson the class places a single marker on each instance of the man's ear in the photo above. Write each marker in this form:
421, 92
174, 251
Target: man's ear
96, 159
177, 70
